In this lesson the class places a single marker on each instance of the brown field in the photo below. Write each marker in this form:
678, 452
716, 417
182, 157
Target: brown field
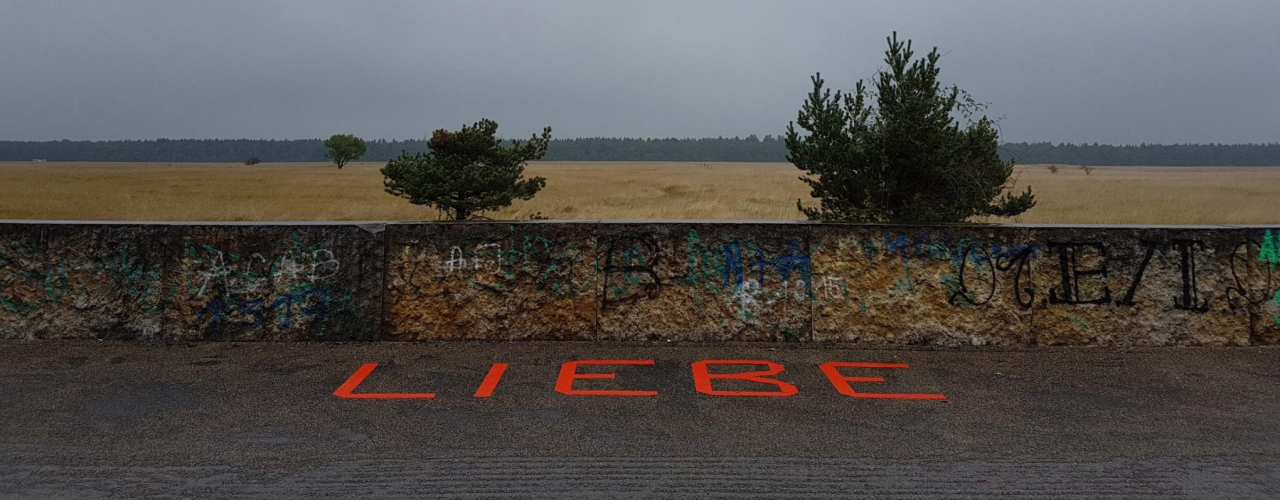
597, 190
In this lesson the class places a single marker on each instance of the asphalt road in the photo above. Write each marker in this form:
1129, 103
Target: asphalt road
102, 420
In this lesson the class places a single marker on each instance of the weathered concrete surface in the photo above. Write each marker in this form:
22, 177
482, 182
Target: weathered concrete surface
190, 282
1154, 287
490, 282
83, 281
1044, 286
873, 284
704, 281
277, 283
901, 285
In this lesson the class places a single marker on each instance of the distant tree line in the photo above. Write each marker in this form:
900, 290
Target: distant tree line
1176, 155
730, 149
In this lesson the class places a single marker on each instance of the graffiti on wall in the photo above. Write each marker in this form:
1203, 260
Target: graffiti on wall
518, 262
1106, 283
489, 281
743, 272
723, 279
121, 275
147, 281
266, 283
1082, 271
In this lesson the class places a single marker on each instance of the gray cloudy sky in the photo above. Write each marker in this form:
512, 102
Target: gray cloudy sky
1115, 71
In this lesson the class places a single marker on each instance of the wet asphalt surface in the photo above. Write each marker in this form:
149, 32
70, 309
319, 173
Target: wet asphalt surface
223, 420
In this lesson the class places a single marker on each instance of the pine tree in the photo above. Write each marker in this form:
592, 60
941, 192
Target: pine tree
905, 159
467, 172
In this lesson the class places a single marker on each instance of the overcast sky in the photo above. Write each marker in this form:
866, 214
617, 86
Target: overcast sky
1082, 71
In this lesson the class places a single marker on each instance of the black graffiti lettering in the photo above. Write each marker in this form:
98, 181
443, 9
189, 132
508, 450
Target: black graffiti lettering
962, 290
1241, 295
1069, 265
1023, 261
1190, 295
1253, 287
1137, 276
627, 263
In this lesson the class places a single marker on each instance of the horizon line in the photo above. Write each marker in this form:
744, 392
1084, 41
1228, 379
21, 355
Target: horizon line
736, 137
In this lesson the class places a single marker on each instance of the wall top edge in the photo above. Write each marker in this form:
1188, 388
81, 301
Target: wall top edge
632, 222
187, 223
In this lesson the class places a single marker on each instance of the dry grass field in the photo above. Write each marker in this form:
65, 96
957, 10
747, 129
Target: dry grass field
603, 190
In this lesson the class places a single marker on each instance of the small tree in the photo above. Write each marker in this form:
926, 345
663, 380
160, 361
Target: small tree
467, 172
905, 158
342, 148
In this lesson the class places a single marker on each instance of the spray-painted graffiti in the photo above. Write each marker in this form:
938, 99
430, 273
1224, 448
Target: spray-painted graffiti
830, 288
1253, 289
119, 275
1269, 254
982, 264
490, 281
232, 272
151, 281
747, 272
630, 268
303, 302
697, 280
1049, 274
1075, 282
746, 285
265, 283
532, 262
1104, 285
487, 256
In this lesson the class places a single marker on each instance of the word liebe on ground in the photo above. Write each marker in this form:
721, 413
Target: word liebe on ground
840, 374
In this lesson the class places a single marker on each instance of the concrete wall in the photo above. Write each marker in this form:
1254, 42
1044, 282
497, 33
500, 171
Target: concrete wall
875, 284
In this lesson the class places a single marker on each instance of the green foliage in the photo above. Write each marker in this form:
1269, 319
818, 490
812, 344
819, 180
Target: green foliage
904, 159
467, 172
342, 148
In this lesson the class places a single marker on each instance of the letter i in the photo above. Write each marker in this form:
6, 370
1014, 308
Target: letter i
491, 380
